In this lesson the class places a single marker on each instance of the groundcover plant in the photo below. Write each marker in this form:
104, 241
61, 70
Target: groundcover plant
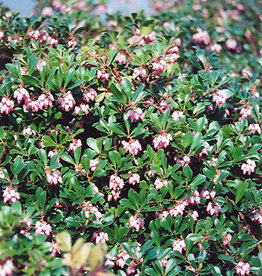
131, 145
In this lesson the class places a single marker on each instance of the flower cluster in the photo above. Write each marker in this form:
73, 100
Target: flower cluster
6, 267
42, 227
162, 141
10, 195
135, 114
116, 184
132, 147
136, 222
67, 101
248, 167
6, 105
53, 177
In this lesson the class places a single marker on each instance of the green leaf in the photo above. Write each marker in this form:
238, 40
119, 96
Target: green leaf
17, 166
77, 154
116, 129
128, 204
139, 94
68, 76
30, 80
112, 56
240, 191
118, 93
66, 157
43, 156
85, 162
134, 197
92, 143
115, 158
187, 139
32, 62
53, 163
199, 179
128, 249
187, 172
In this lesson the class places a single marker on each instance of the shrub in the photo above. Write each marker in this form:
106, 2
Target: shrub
125, 131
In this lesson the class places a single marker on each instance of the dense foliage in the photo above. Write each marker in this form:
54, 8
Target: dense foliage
140, 132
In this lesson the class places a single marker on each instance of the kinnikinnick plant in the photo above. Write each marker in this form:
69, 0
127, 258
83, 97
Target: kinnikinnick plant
131, 145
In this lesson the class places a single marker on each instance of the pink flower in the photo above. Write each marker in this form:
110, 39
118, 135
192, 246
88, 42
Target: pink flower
47, 11
208, 195
172, 58
67, 101
133, 178
2, 35
121, 258
186, 160
130, 270
248, 167
159, 183
116, 184
135, 114
194, 199
253, 128
89, 95
159, 67
121, 58
140, 71
21, 94
201, 37
179, 245
40, 64
28, 131
100, 237
227, 240
45, 100
162, 215
177, 115
109, 260
10, 195
246, 73
216, 47
219, 97
164, 104
132, 147
6, 105
6, 267
34, 105
151, 37
74, 145
41, 227
136, 222
213, 208
83, 107
246, 111
231, 44
258, 217
194, 215
166, 25
243, 268
102, 74
178, 209
164, 261
27, 221
54, 250
162, 141
89, 208
53, 177
93, 164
